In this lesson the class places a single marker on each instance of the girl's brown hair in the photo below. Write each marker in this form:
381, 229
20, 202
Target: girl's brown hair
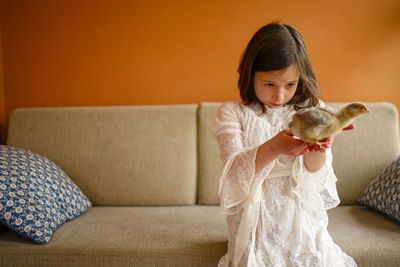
273, 47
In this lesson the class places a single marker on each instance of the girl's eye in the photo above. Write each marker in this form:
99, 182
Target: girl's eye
291, 84
269, 84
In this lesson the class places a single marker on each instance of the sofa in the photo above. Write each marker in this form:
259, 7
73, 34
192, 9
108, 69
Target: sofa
152, 175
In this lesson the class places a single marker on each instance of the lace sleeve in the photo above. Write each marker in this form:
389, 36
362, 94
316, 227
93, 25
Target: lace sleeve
329, 193
322, 181
239, 161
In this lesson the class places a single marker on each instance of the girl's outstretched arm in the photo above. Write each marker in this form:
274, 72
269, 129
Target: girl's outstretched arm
314, 160
282, 143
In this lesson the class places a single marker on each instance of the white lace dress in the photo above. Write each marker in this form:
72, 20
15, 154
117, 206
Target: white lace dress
276, 217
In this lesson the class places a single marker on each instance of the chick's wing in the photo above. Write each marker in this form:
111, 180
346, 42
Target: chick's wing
316, 117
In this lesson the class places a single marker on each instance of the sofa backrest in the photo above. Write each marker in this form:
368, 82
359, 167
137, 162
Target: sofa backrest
132, 155
358, 155
167, 155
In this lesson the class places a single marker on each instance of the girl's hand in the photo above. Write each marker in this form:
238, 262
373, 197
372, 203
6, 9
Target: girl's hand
327, 142
284, 143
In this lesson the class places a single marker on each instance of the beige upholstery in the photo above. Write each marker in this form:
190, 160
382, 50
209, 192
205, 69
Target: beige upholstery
210, 162
143, 155
358, 156
126, 236
370, 238
182, 236
128, 158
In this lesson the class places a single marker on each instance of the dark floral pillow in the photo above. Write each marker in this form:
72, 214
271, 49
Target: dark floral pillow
383, 193
36, 196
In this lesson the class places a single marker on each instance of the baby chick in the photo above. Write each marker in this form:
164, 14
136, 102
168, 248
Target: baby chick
315, 124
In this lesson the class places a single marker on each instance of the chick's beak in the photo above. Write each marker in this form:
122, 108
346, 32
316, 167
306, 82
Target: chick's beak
367, 110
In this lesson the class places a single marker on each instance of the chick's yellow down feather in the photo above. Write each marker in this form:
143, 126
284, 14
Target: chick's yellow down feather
314, 124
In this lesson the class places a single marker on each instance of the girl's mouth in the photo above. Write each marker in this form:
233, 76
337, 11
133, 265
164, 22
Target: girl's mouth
276, 105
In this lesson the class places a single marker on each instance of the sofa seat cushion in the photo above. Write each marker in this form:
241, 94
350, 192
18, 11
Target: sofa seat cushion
370, 238
127, 236
183, 236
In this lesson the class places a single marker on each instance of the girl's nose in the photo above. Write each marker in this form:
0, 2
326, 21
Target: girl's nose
279, 95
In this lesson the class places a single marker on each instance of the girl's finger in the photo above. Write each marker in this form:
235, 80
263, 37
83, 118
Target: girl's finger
350, 127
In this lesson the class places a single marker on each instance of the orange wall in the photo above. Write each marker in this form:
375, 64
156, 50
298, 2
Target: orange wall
2, 102
121, 52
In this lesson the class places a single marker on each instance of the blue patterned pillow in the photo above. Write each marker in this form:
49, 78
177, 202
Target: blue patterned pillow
383, 193
36, 196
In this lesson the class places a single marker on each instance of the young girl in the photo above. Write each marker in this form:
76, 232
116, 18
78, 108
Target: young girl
274, 188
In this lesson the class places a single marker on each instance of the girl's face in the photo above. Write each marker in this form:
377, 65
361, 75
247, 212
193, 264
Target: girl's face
276, 88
